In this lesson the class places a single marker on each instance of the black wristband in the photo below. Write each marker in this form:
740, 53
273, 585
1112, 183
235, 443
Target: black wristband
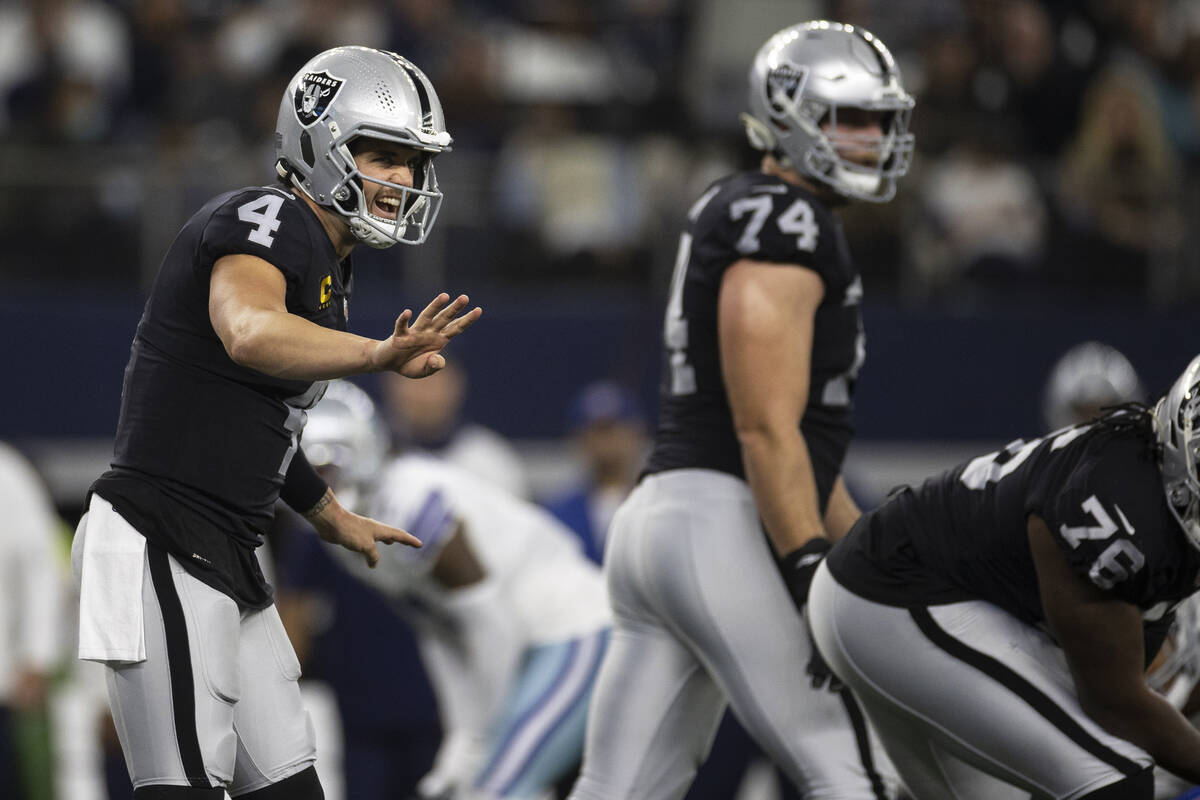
302, 488
799, 566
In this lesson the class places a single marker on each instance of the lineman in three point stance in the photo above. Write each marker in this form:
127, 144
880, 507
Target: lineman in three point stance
1036, 583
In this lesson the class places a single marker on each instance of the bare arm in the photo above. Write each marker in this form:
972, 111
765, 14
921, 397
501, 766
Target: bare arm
1102, 639
336, 525
841, 512
765, 328
246, 304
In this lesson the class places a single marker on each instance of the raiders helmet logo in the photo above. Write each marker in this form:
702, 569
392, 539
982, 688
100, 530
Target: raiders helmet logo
784, 85
314, 94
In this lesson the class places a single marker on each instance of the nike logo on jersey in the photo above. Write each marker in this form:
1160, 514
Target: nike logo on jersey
1124, 520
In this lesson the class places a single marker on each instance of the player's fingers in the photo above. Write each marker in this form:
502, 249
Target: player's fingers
397, 536
462, 323
447, 314
402, 322
371, 554
430, 311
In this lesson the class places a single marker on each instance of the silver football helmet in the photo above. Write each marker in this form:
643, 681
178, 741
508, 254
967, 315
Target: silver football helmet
1177, 425
801, 78
350, 92
1088, 377
346, 440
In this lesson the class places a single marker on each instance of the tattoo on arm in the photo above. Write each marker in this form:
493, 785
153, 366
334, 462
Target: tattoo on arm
321, 505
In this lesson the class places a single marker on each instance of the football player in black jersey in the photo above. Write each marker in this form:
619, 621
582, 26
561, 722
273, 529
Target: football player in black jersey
996, 622
244, 327
762, 344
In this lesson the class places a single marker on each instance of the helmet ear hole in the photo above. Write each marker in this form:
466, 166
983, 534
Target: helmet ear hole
306, 149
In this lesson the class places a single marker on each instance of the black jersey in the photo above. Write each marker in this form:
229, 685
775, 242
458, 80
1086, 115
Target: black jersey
761, 217
962, 535
203, 444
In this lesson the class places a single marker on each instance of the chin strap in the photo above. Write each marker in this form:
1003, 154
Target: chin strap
763, 138
369, 235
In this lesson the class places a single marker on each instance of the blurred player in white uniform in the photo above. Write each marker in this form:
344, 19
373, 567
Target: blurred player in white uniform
32, 602
512, 619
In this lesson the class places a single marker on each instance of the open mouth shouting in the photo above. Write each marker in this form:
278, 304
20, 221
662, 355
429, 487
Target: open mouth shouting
385, 207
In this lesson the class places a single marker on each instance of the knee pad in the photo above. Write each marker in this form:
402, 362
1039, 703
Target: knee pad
1139, 786
304, 785
177, 793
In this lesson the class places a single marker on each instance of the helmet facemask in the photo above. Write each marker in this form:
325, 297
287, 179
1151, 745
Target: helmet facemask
891, 150
350, 93
796, 99
419, 203
1177, 424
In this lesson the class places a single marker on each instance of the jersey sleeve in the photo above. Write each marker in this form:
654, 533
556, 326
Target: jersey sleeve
1104, 524
763, 224
260, 222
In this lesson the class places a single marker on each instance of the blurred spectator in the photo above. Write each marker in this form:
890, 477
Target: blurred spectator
1088, 378
428, 415
64, 70
32, 609
1119, 186
608, 429
982, 219
572, 196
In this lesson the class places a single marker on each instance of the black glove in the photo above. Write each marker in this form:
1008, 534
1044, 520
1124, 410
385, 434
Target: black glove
818, 670
799, 566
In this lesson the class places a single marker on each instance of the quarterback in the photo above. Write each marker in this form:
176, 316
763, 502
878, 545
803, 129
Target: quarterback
244, 326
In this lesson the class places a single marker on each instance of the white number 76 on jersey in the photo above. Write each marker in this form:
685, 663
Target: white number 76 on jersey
1103, 528
1120, 559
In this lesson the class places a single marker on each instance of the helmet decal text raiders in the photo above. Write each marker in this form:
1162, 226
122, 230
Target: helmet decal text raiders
314, 94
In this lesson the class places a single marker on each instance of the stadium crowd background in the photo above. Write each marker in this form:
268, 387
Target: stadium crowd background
1052, 198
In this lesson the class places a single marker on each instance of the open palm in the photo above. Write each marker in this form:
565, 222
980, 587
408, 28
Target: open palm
414, 350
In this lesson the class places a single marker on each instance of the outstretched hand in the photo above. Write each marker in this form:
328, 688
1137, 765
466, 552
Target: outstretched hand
414, 350
336, 525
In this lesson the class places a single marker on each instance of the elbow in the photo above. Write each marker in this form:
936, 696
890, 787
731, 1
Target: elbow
1121, 713
761, 437
242, 344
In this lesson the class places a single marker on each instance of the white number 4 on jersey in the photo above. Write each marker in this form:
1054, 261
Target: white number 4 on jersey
265, 222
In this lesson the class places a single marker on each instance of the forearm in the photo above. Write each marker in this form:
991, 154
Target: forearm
323, 515
285, 345
841, 512
780, 475
1153, 724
